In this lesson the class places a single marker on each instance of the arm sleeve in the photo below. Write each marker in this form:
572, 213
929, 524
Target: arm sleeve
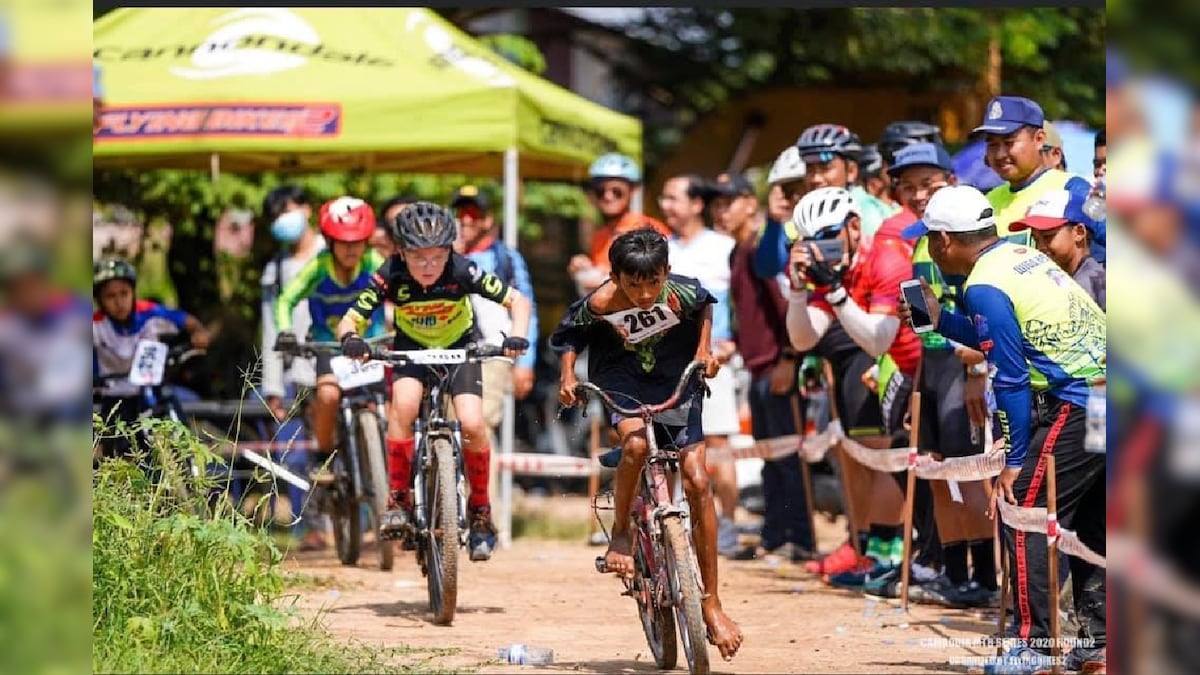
958, 328
484, 284
771, 254
805, 324
372, 296
524, 284
874, 332
1000, 338
295, 291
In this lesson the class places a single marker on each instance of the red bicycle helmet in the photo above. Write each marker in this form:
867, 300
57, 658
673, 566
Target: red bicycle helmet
347, 219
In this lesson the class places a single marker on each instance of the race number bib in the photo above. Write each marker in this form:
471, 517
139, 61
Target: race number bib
638, 324
352, 373
149, 363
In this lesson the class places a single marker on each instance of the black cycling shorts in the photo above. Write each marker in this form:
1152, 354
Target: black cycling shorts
945, 426
857, 407
466, 378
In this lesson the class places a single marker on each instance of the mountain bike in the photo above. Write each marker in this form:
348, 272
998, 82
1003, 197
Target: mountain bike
666, 583
359, 470
439, 483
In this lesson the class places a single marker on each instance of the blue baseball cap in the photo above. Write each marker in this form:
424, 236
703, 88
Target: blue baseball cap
1006, 114
921, 154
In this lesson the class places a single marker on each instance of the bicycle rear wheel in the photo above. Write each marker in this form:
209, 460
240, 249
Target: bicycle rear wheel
372, 463
686, 591
441, 498
658, 623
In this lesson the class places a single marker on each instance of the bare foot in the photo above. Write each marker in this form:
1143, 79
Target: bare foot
619, 557
722, 631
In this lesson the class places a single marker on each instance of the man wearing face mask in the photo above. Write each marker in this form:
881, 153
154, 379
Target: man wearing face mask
288, 210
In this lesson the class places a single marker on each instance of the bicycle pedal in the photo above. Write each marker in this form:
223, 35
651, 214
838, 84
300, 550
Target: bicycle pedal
601, 566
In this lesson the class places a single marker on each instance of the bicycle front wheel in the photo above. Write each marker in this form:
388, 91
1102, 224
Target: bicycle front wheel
657, 621
441, 496
347, 521
686, 591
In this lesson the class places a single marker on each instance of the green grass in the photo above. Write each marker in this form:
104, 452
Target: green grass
535, 524
177, 589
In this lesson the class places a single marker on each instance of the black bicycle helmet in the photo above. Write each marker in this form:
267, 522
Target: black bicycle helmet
108, 269
829, 140
871, 161
424, 225
900, 134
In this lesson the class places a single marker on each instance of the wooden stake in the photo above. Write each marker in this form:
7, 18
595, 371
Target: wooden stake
1004, 587
910, 493
805, 474
1052, 552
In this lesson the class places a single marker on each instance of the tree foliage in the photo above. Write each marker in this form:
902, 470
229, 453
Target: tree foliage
691, 61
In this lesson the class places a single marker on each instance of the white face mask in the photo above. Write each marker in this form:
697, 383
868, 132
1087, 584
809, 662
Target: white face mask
289, 227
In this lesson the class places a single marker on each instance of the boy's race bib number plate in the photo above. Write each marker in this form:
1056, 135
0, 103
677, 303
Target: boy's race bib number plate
149, 363
352, 373
638, 324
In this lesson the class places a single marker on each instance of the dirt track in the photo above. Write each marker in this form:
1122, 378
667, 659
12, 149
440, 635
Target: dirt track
546, 593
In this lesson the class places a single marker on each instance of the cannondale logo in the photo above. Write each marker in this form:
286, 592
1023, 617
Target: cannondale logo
228, 51
446, 52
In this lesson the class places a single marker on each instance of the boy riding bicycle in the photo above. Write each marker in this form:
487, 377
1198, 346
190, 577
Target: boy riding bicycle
643, 326
430, 286
330, 283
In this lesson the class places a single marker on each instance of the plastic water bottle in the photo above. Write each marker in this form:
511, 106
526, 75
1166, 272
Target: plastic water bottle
525, 655
1095, 207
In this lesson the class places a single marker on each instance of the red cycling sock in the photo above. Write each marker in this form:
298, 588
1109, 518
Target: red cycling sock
400, 458
478, 470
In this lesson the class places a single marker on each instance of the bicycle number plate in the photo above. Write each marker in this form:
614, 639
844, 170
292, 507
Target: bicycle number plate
433, 357
636, 324
352, 373
149, 363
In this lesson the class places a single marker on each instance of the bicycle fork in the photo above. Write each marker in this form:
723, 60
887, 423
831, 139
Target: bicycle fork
352, 451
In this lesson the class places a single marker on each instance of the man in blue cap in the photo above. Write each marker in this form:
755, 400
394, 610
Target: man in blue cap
1013, 128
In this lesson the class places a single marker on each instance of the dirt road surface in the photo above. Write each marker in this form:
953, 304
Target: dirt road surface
547, 594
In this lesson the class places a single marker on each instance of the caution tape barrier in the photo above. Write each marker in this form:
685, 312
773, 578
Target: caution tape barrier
1036, 519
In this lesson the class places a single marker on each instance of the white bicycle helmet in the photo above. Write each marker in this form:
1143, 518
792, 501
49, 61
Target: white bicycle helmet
823, 211
615, 165
787, 167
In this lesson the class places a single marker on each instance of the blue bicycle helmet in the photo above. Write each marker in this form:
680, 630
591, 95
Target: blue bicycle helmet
615, 165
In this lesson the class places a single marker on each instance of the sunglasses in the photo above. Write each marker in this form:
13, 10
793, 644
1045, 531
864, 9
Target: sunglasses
471, 211
617, 191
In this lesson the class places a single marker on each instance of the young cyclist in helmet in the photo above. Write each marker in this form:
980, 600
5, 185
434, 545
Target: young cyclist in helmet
431, 286
330, 283
612, 180
119, 323
897, 136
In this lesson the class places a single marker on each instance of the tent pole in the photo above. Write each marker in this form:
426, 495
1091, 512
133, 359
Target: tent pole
214, 166
508, 426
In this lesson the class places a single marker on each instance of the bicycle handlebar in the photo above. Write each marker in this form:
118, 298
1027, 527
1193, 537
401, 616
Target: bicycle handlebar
584, 389
472, 353
317, 348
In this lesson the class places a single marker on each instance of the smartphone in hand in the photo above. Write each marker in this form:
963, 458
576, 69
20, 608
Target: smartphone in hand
915, 297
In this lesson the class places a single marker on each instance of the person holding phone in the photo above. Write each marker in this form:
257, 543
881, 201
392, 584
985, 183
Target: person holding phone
844, 307
1046, 340
952, 383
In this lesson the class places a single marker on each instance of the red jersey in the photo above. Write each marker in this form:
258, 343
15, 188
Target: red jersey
894, 226
874, 283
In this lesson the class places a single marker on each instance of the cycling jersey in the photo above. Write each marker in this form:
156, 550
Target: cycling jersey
328, 299
1040, 330
113, 343
437, 316
661, 341
1011, 204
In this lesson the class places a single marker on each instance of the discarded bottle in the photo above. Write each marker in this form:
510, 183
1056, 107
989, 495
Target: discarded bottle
525, 655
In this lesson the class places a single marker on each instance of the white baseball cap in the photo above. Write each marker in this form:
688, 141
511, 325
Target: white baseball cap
955, 208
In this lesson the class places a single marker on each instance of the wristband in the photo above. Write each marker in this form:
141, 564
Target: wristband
837, 297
